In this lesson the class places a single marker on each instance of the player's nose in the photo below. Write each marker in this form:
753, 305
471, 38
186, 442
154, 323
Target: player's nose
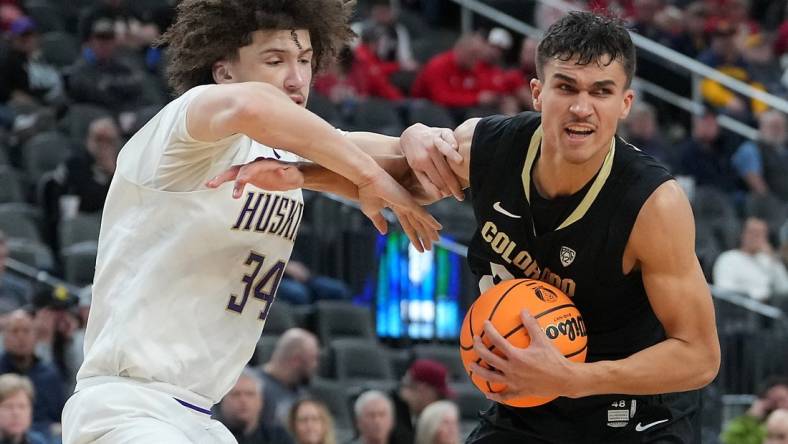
295, 79
581, 106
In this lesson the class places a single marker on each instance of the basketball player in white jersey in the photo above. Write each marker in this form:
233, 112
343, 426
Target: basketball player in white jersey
186, 274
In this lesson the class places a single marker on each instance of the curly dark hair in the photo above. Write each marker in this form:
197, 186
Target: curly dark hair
206, 31
589, 37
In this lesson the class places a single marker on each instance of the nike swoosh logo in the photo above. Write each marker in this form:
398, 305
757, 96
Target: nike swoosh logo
497, 207
640, 428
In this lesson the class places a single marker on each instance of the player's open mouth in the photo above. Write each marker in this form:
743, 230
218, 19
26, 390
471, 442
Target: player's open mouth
578, 132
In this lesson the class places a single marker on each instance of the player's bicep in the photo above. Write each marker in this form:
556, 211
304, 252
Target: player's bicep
464, 136
663, 240
223, 110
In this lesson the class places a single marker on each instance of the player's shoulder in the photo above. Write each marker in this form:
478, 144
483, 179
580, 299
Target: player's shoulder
498, 129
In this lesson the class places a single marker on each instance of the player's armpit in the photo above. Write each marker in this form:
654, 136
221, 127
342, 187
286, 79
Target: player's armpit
464, 136
662, 245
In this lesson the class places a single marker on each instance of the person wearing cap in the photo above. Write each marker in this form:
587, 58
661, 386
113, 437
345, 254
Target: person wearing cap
424, 383
25, 78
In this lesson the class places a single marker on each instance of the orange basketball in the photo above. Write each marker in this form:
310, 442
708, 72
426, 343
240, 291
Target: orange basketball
502, 305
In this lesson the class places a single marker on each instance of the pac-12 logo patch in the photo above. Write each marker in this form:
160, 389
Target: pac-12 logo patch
567, 256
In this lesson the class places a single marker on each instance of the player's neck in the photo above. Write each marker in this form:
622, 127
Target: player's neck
553, 176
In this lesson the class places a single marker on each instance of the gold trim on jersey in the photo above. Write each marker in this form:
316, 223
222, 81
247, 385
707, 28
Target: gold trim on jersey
591, 195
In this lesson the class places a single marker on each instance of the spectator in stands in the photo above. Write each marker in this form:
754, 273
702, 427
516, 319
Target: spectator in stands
240, 412
748, 428
725, 56
777, 427
59, 336
311, 423
100, 77
134, 29
16, 411
374, 416
737, 14
754, 268
439, 424
450, 78
372, 72
763, 66
642, 130
300, 286
706, 155
19, 339
25, 78
425, 382
762, 164
14, 292
693, 40
394, 42
85, 176
286, 375
644, 20
88, 173
494, 77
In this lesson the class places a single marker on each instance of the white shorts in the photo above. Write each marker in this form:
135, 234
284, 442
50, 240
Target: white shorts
129, 413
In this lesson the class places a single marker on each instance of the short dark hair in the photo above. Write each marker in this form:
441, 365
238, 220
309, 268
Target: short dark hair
591, 38
206, 31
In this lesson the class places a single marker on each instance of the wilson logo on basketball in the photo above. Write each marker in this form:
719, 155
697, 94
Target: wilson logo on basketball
545, 294
572, 328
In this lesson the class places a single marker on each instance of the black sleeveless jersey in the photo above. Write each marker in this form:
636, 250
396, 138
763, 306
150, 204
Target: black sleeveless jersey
576, 243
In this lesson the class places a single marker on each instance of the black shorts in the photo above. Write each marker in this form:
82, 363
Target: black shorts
672, 418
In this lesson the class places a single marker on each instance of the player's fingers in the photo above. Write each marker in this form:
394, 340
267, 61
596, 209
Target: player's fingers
410, 232
488, 356
449, 149
378, 221
487, 374
534, 329
429, 188
497, 340
238, 189
226, 176
452, 184
435, 178
426, 233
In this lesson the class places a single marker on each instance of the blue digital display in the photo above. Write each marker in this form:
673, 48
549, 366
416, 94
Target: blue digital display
416, 295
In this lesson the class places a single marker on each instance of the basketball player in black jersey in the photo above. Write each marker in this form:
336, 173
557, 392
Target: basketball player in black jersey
558, 197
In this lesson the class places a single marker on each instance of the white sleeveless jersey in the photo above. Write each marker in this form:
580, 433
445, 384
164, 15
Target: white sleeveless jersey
185, 275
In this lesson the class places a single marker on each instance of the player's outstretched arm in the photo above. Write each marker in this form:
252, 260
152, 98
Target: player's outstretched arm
662, 245
268, 116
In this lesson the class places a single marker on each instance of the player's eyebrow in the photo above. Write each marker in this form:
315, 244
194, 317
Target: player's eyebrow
598, 84
284, 51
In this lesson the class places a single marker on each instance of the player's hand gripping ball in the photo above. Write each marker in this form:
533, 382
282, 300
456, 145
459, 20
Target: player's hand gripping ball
502, 305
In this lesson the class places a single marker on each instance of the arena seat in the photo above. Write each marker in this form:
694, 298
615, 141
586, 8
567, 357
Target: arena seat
79, 262
280, 318
360, 362
44, 152
18, 220
337, 320
10, 188
83, 227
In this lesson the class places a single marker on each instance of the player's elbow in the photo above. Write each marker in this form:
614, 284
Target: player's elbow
708, 364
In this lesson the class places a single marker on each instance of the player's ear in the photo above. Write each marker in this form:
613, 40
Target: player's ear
536, 94
629, 97
222, 72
